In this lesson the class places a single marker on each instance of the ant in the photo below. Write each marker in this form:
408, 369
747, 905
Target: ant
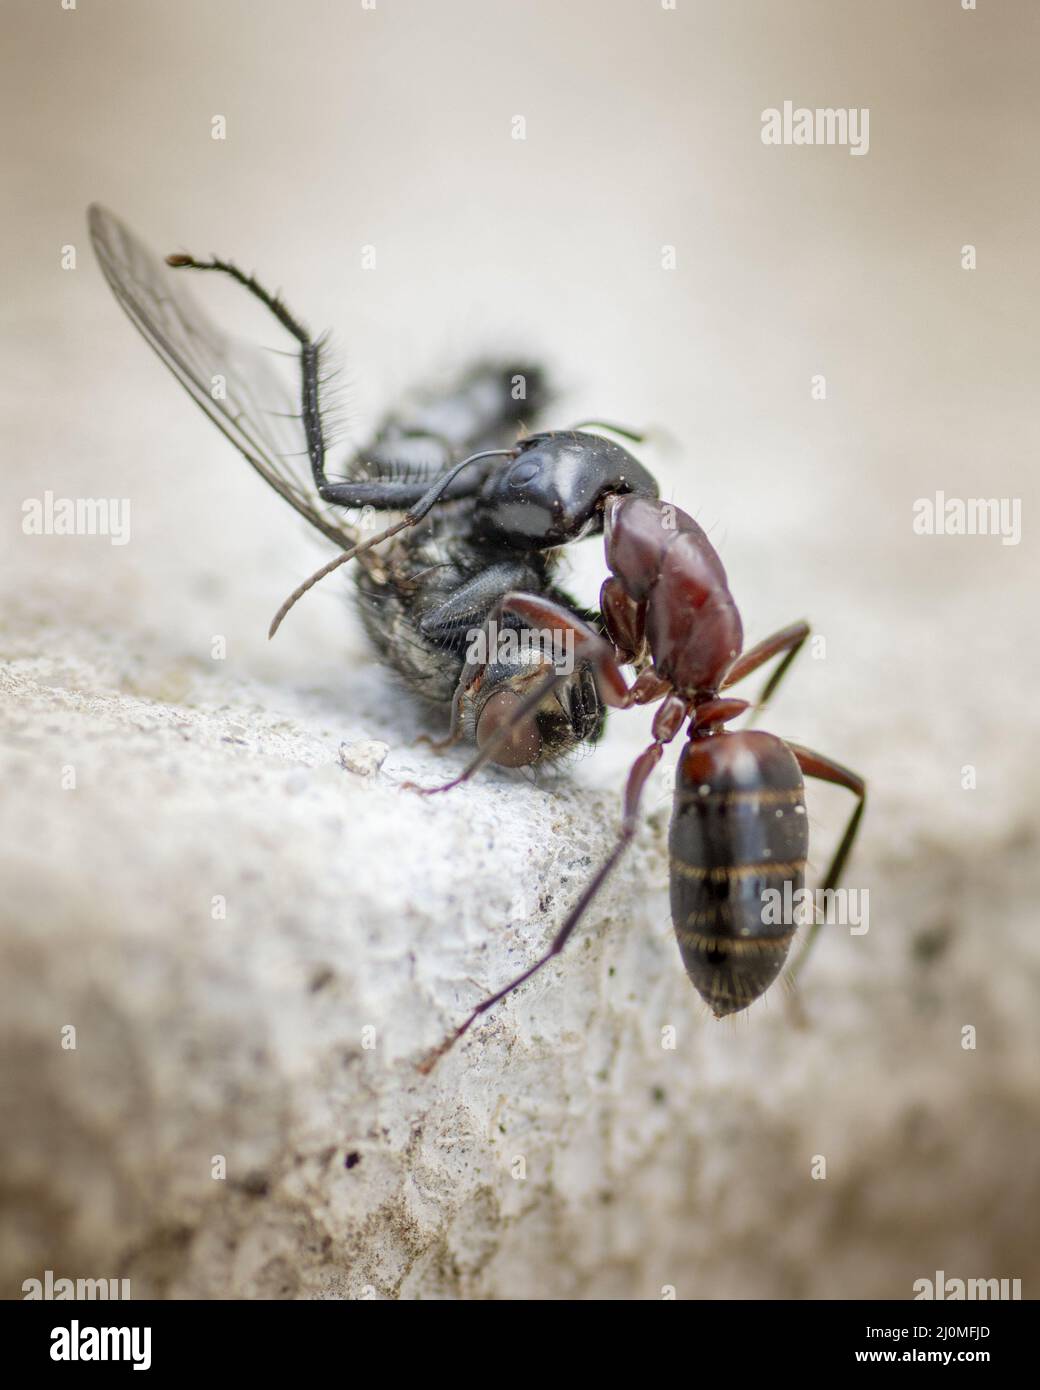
738, 826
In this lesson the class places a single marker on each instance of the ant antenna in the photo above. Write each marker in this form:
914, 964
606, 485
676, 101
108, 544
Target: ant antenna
622, 430
410, 518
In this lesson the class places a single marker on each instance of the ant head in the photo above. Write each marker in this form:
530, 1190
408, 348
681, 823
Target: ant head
569, 715
553, 489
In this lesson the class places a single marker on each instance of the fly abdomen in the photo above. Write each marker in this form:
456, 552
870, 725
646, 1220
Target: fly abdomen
738, 844
433, 432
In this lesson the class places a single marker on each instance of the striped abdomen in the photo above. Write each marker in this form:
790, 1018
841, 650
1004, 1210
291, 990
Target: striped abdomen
739, 829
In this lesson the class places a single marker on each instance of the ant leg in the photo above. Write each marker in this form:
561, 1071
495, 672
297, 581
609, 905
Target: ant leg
538, 611
815, 765
624, 619
588, 646
667, 723
789, 640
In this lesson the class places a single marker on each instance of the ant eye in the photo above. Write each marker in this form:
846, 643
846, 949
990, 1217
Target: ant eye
524, 471
521, 745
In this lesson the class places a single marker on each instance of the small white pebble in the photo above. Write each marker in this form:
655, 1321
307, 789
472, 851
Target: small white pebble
703, 789
799, 810
364, 758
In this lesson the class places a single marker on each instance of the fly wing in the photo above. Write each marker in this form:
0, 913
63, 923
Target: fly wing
256, 412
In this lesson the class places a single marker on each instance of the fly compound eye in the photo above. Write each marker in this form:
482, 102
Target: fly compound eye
521, 745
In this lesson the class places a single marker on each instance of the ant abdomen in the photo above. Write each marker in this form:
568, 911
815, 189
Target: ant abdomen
739, 830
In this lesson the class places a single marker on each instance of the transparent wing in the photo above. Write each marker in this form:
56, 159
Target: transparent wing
257, 412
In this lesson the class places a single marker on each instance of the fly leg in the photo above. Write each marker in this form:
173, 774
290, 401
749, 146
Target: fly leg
383, 494
416, 498
310, 356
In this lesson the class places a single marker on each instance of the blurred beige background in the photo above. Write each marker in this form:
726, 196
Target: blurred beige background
391, 127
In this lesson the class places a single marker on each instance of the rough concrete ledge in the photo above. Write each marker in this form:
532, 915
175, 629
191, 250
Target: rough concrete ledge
561, 1151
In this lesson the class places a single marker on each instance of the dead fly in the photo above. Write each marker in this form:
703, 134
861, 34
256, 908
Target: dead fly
484, 514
